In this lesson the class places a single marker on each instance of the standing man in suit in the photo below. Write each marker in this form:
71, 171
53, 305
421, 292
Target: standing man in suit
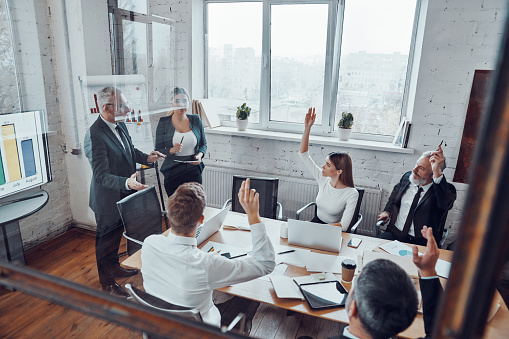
422, 197
113, 158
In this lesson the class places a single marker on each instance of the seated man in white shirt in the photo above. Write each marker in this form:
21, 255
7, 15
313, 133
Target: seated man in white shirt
175, 270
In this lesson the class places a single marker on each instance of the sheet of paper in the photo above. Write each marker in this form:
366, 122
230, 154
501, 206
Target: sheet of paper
296, 258
279, 270
285, 287
319, 277
404, 262
318, 262
219, 248
443, 268
397, 248
236, 221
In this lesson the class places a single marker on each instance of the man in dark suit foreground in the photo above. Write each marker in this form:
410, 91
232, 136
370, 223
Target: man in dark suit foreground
113, 158
383, 299
422, 197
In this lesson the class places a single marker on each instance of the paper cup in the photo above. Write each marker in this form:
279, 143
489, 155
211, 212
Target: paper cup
348, 267
284, 230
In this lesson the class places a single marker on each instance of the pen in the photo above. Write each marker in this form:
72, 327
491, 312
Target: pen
183, 139
441, 142
284, 252
210, 249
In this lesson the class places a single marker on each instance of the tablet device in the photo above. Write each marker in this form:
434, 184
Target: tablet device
326, 294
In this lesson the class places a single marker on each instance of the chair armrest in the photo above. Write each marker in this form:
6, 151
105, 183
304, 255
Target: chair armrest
380, 224
133, 240
240, 318
297, 214
280, 212
354, 227
226, 203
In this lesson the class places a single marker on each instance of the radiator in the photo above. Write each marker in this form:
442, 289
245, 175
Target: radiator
293, 194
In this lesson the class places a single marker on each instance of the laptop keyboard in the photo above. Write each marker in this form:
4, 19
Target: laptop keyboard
198, 231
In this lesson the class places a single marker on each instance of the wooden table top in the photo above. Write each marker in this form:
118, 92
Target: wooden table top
262, 290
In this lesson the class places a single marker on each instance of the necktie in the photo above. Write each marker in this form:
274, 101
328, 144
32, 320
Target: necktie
127, 147
410, 217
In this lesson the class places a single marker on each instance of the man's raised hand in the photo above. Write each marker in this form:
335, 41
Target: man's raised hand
426, 263
249, 200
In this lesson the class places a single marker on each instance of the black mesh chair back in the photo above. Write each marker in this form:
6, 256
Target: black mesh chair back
266, 187
356, 214
141, 215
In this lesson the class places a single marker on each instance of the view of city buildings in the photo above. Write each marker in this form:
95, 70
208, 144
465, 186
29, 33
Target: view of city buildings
371, 86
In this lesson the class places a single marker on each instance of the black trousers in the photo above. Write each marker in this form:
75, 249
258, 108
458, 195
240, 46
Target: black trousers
391, 235
185, 173
317, 220
107, 241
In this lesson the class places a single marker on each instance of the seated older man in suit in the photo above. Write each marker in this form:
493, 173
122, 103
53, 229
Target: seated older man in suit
422, 197
383, 300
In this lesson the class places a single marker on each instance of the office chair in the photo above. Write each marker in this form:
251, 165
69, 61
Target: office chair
357, 217
267, 188
149, 300
142, 216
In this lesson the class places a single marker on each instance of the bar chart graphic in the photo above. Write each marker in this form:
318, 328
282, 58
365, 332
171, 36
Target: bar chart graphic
11, 152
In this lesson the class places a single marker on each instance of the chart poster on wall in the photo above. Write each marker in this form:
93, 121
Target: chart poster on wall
24, 157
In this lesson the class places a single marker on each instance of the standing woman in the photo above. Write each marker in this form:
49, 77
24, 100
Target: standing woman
180, 136
337, 197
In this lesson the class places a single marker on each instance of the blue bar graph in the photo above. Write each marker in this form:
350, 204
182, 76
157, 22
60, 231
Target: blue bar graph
27, 148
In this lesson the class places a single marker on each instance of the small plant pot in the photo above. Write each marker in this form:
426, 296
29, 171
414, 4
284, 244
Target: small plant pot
344, 133
242, 124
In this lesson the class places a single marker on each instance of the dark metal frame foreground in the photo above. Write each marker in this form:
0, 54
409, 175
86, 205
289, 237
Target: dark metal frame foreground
93, 302
483, 243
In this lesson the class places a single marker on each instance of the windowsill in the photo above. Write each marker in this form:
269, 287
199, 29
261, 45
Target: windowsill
313, 139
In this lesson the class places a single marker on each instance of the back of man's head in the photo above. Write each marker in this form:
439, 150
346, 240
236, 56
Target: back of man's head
385, 298
185, 207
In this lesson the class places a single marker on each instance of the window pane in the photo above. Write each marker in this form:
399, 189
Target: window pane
163, 76
135, 47
9, 100
139, 6
374, 58
234, 56
298, 45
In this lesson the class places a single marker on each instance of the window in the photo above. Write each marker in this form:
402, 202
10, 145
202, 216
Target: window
144, 44
10, 99
337, 55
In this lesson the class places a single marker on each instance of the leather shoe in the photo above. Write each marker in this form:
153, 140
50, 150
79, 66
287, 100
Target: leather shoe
115, 290
120, 272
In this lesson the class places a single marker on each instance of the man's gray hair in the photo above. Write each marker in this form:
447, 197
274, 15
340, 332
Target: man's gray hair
428, 154
104, 96
386, 299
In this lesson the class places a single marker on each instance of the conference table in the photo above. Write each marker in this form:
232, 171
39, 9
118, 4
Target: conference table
261, 290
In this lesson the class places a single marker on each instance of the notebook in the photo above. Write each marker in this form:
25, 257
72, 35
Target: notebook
318, 236
211, 226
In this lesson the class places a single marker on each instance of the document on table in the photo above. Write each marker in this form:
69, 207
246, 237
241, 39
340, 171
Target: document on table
291, 255
404, 262
318, 262
285, 287
236, 222
219, 248
397, 248
279, 270
315, 277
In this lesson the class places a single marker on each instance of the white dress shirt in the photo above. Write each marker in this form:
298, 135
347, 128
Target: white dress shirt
177, 271
406, 203
332, 204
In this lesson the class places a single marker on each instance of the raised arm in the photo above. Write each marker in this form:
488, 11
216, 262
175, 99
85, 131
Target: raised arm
308, 122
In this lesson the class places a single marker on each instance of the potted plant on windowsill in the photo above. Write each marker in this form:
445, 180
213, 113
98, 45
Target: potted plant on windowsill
242, 114
345, 126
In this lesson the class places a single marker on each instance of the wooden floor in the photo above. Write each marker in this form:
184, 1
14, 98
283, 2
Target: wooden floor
72, 256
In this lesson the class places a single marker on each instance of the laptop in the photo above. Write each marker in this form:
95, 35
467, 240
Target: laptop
211, 226
317, 236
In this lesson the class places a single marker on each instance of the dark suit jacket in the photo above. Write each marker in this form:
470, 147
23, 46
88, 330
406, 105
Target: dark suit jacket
164, 139
431, 210
111, 166
431, 290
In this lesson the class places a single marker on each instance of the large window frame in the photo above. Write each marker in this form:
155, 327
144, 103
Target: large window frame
117, 15
331, 75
